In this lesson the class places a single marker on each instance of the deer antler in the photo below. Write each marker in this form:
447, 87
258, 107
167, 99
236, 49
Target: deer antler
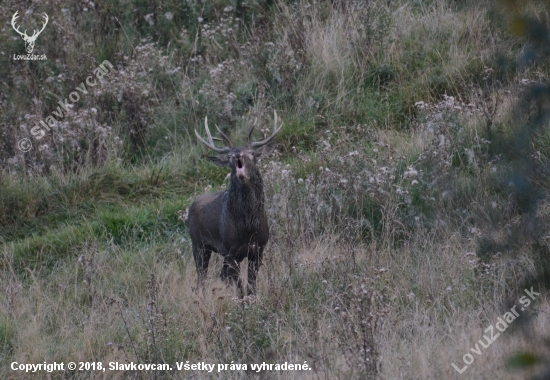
210, 142
17, 28
46, 18
230, 144
252, 130
24, 34
263, 142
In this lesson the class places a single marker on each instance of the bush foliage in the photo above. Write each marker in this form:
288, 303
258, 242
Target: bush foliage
407, 196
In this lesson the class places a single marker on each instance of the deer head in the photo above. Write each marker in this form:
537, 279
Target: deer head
241, 160
29, 40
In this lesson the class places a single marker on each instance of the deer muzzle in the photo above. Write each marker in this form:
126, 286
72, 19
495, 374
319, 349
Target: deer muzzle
241, 169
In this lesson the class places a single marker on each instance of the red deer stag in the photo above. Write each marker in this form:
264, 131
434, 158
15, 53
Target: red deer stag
233, 222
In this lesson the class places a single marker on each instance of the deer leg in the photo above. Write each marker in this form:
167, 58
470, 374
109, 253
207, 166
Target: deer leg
202, 258
254, 262
231, 272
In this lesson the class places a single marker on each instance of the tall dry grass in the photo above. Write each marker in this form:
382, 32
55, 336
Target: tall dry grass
390, 226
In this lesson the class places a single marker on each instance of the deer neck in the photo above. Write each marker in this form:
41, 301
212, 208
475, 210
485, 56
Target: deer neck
246, 201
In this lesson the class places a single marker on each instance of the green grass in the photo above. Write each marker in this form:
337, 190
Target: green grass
364, 264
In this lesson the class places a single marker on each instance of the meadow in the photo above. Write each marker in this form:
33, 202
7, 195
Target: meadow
406, 198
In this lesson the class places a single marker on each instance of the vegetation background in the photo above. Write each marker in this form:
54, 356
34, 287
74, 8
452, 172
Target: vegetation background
406, 199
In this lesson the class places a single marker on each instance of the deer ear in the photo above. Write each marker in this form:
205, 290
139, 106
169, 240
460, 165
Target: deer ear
219, 160
265, 150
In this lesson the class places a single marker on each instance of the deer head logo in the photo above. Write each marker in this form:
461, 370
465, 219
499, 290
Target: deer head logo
29, 40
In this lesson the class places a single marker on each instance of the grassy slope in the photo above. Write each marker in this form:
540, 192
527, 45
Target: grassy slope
376, 204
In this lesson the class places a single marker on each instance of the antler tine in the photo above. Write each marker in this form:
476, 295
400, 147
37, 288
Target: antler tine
276, 130
210, 142
250, 133
224, 136
252, 130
